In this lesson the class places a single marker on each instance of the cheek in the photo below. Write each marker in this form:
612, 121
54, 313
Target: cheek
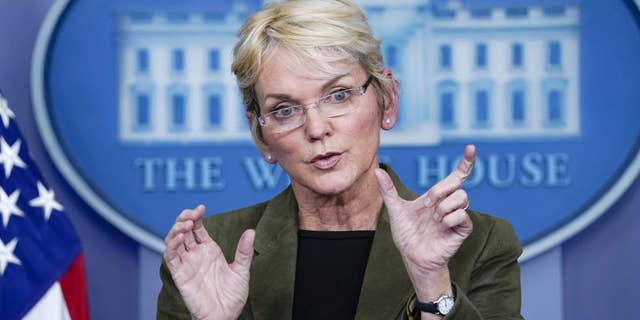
361, 133
284, 145
367, 122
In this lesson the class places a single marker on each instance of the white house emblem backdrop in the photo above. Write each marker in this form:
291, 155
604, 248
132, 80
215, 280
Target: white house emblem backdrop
140, 112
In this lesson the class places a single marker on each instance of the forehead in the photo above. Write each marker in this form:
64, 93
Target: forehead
284, 71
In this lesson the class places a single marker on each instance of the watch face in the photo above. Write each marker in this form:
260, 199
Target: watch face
445, 305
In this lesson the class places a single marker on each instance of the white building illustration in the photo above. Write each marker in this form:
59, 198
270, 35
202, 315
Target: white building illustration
491, 73
175, 78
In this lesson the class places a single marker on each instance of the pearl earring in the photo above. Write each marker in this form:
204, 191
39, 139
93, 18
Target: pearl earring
269, 157
387, 120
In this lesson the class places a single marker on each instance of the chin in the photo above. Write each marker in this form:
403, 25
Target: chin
333, 184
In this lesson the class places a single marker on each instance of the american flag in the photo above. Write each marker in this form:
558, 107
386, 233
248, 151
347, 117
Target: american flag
41, 261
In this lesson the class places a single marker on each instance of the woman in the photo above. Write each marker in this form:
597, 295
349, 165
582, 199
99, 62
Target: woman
346, 239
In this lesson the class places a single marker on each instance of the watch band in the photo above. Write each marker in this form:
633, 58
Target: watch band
430, 307
413, 306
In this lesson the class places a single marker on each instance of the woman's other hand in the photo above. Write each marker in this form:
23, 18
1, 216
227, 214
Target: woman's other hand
210, 287
429, 230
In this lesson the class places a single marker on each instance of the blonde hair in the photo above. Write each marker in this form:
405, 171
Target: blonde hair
314, 31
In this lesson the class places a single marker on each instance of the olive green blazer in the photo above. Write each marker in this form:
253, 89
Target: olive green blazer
484, 271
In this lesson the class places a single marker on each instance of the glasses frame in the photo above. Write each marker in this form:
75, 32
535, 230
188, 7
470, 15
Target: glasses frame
359, 91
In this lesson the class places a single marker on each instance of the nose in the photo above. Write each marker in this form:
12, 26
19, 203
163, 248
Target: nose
317, 126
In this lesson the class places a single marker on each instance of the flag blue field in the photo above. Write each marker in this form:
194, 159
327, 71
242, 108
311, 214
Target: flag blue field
41, 261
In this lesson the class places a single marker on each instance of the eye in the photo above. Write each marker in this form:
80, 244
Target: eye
339, 96
283, 111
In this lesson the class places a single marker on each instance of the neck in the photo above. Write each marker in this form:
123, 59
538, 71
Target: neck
354, 209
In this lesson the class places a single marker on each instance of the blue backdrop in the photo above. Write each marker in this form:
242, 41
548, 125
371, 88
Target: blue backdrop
590, 276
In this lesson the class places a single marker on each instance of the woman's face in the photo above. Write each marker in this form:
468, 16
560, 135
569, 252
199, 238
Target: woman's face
326, 156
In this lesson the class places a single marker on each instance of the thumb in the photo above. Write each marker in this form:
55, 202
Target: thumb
387, 189
244, 252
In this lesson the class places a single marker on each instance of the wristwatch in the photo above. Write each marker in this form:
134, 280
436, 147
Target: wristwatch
442, 306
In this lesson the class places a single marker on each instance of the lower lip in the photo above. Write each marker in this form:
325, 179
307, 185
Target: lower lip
327, 163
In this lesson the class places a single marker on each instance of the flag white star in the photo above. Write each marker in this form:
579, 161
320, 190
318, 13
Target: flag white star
5, 112
46, 200
9, 156
6, 254
8, 206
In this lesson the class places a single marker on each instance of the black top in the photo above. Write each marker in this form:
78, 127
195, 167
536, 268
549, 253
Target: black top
330, 268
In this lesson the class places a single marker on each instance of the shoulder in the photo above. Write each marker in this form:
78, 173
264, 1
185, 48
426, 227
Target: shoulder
267, 218
492, 233
493, 238
226, 228
486, 226
245, 217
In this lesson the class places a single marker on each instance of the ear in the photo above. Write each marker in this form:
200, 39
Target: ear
260, 143
390, 113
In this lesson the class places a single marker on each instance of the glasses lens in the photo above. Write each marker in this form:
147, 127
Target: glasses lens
286, 118
338, 103
335, 104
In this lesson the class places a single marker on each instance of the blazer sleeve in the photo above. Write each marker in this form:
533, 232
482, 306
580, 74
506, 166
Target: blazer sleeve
493, 288
170, 305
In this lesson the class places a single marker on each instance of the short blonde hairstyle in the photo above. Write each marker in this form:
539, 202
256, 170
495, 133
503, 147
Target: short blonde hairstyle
317, 31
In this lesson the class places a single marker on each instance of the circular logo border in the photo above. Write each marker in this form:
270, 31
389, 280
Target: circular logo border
146, 238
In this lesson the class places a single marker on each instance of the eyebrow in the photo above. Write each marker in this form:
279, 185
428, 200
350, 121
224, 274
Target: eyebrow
325, 86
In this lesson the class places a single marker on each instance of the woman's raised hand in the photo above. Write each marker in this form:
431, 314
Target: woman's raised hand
210, 287
429, 230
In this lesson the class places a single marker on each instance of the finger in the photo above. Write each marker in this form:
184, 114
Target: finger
179, 228
199, 231
458, 220
172, 252
456, 200
173, 264
386, 187
184, 222
465, 166
454, 180
189, 240
174, 259
244, 252
191, 214
181, 249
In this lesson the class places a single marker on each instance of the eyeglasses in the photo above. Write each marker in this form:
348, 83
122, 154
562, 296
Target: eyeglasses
287, 117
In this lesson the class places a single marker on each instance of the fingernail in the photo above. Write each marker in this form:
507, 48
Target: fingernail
427, 202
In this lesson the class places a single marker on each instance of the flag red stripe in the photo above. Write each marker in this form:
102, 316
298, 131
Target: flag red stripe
74, 289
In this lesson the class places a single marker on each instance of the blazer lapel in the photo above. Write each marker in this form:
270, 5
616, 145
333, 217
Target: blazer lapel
273, 266
386, 285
